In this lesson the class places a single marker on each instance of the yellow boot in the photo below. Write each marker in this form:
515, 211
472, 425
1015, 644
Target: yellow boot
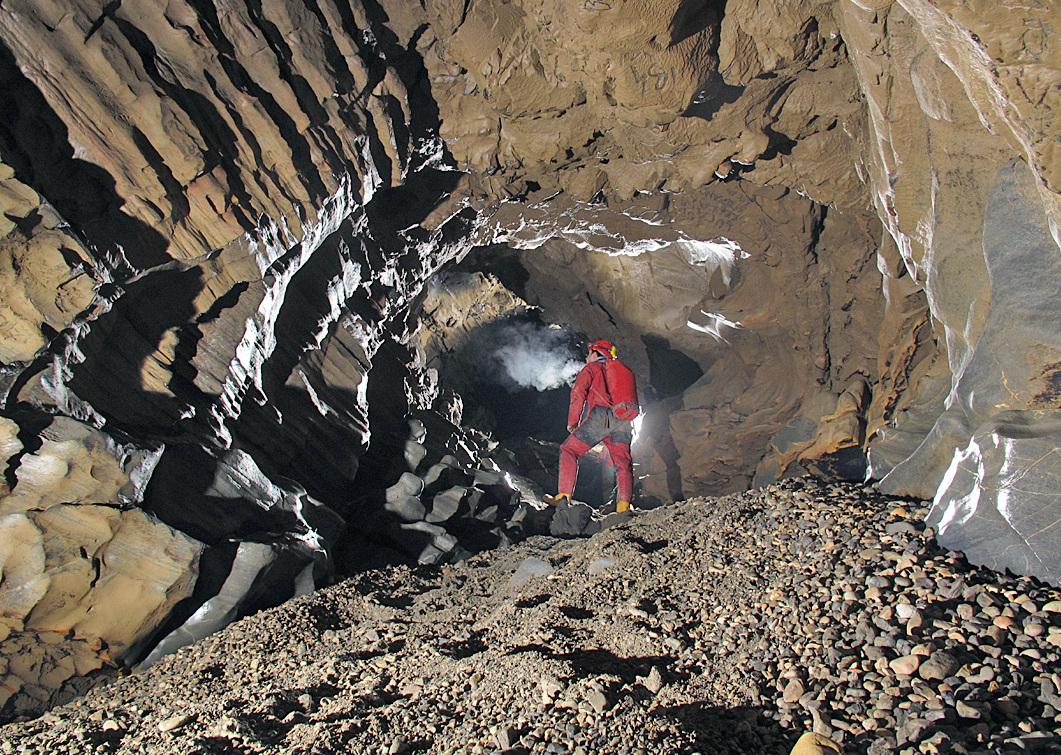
622, 506
556, 500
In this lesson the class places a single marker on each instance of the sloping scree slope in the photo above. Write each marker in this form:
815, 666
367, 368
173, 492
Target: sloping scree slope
715, 626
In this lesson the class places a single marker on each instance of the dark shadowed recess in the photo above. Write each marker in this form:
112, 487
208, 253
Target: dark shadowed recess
510, 411
670, 371
694, 16
502, 262
120, 343
512, 414
713, 93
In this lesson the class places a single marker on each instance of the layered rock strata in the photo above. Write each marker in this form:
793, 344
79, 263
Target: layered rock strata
831, 226
933, 122
211, 217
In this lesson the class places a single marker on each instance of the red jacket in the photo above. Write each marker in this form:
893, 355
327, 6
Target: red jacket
589, 390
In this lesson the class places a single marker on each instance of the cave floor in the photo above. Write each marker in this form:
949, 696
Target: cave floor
715, 625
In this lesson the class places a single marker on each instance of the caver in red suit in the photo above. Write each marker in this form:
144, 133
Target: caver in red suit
590, 420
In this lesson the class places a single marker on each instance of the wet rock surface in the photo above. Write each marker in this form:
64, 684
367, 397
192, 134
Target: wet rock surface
815, 607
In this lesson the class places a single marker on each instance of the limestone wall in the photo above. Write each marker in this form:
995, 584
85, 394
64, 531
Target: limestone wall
215, 218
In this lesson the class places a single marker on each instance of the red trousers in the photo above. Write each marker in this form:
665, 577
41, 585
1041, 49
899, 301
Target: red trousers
574, 449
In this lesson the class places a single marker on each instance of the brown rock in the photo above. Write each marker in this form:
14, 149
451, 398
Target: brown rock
815, 744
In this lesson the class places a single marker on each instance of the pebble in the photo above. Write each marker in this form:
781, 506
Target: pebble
654, 681
905, 665
174, 722
885, 643
793, 691
597, 700
939, 665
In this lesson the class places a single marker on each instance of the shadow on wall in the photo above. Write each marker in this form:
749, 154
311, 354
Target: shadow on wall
693, 16
670, 373
35, 143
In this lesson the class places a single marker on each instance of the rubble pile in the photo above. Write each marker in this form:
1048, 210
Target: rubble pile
718, 625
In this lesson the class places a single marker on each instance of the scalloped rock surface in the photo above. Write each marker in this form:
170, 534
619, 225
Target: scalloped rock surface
218, 222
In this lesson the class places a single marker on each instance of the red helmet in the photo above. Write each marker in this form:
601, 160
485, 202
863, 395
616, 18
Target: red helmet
605, 348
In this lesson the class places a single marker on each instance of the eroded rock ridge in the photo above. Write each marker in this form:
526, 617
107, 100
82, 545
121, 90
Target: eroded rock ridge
824, 232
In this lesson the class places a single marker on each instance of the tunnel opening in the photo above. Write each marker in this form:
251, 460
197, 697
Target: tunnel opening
513, 359
670, 371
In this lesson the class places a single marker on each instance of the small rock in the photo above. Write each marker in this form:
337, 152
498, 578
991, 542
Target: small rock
653, 682
965, 710
506, 738
793, 691
905, 665
597, 700
174, 722
939, 665
815, 744
904, 611
881, 746
551, 687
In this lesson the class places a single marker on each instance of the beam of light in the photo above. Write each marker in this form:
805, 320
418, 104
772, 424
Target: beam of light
637, 426
714, 327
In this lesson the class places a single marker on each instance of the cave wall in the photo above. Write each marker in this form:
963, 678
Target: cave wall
936, 122
203, 244
216, 215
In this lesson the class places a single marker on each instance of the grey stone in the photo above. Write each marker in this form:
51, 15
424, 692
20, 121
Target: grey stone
414, 454
407, 485
793, 691
597, 700
965, 710
940, 665
1023, 266
408, 508
905, 665
573, 520
445, 505
174, 722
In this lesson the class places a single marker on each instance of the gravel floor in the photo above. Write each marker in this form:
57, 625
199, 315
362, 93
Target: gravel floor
726, 625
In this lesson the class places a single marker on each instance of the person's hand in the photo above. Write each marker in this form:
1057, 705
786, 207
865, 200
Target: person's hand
571, 428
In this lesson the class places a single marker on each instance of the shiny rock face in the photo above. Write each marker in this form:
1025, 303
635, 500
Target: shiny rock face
823, 233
